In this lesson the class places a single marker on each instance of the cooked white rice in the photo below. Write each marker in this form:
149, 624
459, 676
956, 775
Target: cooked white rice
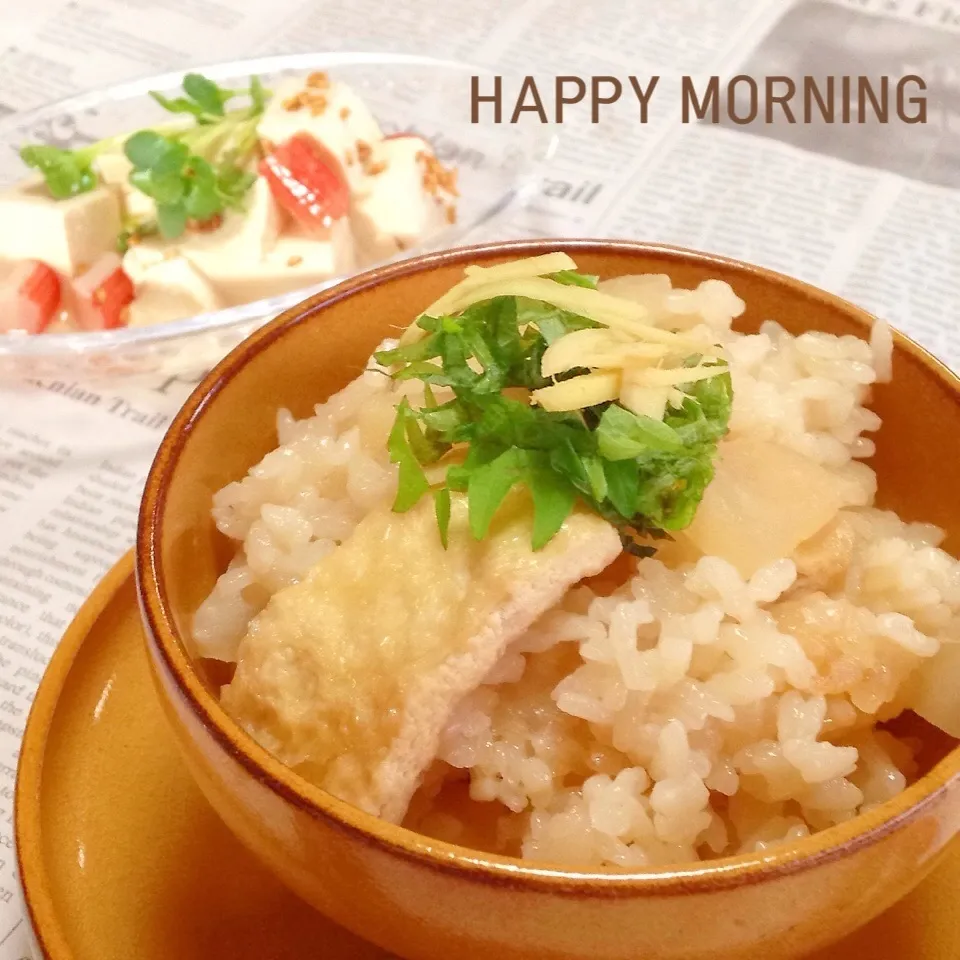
686, 713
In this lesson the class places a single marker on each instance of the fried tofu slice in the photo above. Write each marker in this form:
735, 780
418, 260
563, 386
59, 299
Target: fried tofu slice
350, 675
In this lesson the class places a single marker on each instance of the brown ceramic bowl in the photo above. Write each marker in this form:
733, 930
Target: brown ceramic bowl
428, 900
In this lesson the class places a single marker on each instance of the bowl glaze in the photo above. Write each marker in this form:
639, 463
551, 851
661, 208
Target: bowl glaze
428, 900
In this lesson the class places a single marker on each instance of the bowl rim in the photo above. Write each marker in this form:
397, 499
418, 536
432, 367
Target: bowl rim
520, 189
169, 653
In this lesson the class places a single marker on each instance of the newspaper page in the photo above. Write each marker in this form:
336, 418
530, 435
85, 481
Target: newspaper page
869, 210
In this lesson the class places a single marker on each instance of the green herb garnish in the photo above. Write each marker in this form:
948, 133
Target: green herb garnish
575, 279
66, 172
646, 476
185, 186
192, 173
204, 99
135, 231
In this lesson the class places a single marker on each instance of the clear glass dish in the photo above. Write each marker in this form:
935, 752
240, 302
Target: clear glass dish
498, 167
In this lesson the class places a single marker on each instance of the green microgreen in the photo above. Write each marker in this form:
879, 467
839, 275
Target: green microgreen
204, 99
193, 173
66, 172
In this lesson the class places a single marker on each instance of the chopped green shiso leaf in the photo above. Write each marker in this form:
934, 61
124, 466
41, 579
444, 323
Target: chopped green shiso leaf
192, 173
645, 476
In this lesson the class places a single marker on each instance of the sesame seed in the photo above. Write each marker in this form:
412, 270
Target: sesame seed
295, 261
437, 177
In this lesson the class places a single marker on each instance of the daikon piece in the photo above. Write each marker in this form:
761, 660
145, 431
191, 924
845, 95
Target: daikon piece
935, 690
764, 501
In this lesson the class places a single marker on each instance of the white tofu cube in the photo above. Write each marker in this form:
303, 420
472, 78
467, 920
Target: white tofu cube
142, 257
344, 122
310, 259
245, 235
396, 210
170, 289
114, 170
247, 258
66, 234
240, 244
296, 261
